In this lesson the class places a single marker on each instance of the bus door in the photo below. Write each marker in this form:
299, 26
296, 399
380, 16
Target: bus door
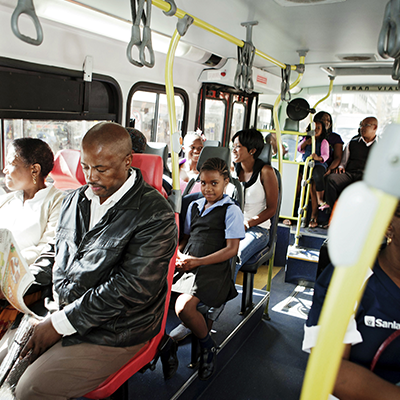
222, 111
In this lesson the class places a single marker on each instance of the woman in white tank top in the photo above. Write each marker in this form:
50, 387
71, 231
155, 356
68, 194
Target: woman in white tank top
261, 192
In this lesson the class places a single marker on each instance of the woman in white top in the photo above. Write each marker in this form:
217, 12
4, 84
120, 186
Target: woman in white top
260, 192
32, 209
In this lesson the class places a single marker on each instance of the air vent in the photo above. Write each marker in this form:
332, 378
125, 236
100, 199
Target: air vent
291, 3
356, 57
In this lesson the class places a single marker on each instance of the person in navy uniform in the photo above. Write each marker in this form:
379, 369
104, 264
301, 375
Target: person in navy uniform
366, 373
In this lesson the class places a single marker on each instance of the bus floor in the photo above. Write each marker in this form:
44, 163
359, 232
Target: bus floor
263, 359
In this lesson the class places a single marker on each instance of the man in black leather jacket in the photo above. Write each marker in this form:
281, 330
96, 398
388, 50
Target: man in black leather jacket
113, 244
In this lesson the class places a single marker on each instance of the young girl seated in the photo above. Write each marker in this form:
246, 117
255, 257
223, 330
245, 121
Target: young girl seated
320, 156
213, 229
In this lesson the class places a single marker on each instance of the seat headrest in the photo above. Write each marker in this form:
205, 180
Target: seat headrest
212, 143
151, 167
210, 152
67, 172
266, 154
160, 149
291, 125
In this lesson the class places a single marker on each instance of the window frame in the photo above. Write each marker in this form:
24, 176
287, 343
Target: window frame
81, 104
158, 89
267, 107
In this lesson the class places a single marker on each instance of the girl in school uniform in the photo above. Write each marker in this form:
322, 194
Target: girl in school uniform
213, 229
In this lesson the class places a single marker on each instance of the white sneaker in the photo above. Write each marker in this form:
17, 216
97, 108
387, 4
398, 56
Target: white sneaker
180, 333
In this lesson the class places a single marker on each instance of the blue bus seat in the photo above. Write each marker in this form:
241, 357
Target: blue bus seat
151, 167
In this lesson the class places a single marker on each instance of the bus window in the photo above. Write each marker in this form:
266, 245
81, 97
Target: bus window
238, 113
57, 134
264, 117
348, 109
149, 111
214, 119
163, 121
143, 112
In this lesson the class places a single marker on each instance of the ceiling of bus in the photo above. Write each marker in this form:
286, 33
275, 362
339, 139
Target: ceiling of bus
326, 30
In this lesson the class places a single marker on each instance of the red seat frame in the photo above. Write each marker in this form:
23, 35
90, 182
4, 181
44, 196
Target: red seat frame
152, 168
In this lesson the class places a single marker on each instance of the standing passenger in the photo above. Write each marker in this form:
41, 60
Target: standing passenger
213, 229
260, 192
113, 244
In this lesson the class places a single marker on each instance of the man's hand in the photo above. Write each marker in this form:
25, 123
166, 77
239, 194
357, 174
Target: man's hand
43, 337
341, 170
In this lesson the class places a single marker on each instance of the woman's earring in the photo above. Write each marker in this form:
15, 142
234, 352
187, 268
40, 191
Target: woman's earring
34, 180
388, 240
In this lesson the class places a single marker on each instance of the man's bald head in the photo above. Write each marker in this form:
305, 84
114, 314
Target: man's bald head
368, 128
106, 158
110, 137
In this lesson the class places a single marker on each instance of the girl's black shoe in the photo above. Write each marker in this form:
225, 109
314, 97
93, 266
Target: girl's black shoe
208, 362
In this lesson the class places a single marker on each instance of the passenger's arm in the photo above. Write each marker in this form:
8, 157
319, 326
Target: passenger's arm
337, 156
344, 160
42, 268
270, 184
271, 139
183, 242
33, 252
355, 382
303, 144
187, 263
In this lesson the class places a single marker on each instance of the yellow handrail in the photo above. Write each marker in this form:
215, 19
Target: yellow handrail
329, 92
305, 192
345, 291
169, 88
210, 28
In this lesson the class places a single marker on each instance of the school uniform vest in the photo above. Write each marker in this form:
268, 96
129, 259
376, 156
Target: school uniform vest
358, 155
212, 283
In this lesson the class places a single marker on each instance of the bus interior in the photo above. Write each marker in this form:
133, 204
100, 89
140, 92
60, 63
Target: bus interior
66, 65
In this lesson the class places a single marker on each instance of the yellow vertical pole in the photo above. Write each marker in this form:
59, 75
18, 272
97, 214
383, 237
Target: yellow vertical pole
344, 292
169, 87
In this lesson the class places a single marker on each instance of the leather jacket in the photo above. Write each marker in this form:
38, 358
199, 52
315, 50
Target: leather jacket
111, 280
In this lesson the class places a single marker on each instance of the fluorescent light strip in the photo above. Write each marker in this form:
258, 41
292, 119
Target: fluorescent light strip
97, 22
